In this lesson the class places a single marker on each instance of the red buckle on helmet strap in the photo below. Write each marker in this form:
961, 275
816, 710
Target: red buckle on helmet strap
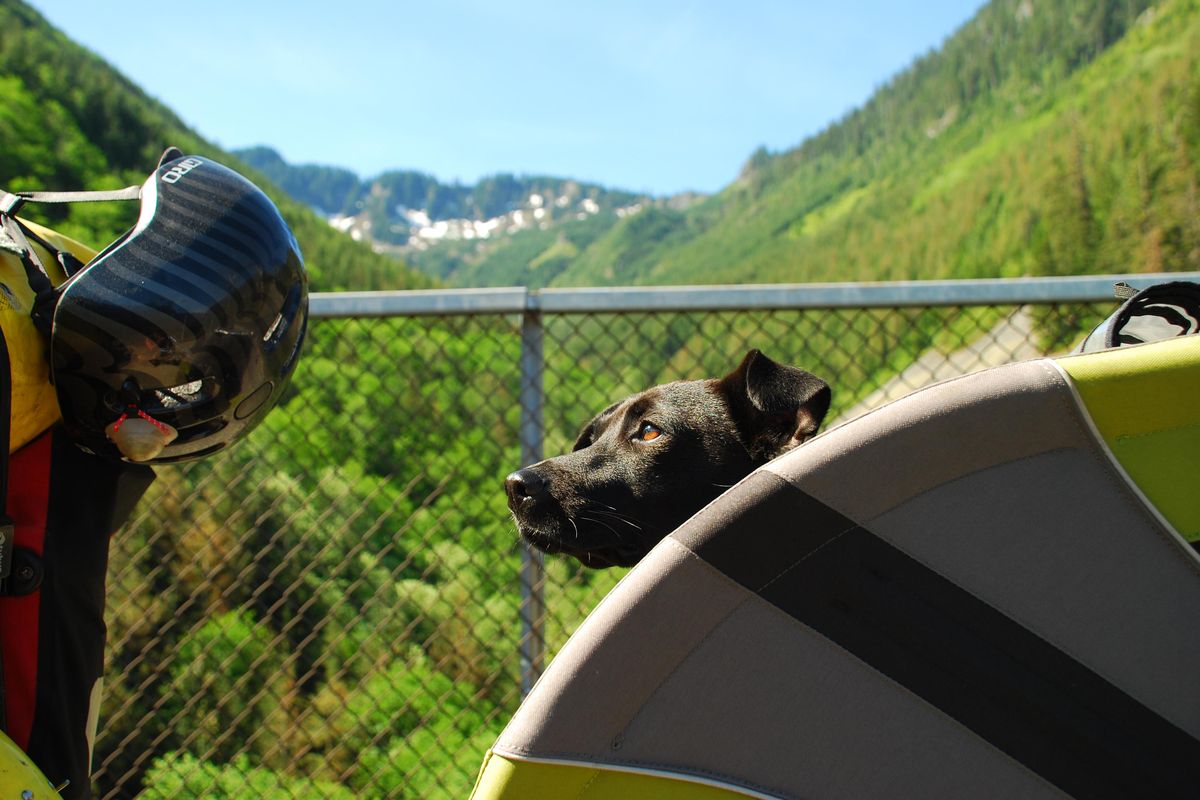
121, 419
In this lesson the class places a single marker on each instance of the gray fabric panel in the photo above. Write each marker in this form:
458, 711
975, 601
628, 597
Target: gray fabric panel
934, 435
995, 481
770, 704
1058, 544
641, 631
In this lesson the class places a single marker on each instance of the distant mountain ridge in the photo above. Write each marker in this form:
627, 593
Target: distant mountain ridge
395, 204
336, 191
448, 230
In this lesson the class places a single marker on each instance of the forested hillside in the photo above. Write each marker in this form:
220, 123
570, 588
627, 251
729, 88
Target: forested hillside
69, 121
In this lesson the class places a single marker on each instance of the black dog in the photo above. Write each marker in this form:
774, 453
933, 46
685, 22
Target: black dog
646, 464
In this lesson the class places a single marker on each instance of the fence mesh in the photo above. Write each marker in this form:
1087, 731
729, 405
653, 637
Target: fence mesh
331, 609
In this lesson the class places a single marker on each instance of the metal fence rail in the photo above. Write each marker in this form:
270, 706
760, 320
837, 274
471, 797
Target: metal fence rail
339, 607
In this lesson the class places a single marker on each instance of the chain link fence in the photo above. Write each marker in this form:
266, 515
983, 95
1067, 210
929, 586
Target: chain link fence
339, 607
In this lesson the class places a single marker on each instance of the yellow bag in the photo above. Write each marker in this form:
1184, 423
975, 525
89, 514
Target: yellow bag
34, 405
19, 777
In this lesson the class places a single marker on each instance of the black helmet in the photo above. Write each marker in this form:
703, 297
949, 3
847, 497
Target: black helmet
188, 327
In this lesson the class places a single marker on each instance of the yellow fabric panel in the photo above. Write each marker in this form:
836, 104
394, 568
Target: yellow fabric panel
34, 405
1145, 400
18, 774
502, 778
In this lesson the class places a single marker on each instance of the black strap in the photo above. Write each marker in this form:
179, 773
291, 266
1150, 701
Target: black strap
16, 240
9, 553
65, 258
6, 524
6, 527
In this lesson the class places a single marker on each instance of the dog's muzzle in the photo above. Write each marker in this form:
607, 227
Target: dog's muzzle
526, 489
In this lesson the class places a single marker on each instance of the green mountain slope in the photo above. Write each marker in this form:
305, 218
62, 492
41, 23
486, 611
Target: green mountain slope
70, 121
504, 229
1032, 143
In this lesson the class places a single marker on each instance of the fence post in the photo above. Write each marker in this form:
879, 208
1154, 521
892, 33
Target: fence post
533, 608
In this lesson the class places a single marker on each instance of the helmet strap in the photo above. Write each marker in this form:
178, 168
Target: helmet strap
98, 196
137, 412
16, 241
14, 237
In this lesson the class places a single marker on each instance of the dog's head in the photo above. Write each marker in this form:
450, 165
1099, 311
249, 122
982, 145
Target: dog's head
644, 465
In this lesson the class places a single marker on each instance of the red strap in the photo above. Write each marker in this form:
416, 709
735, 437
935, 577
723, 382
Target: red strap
121, 420
28, 502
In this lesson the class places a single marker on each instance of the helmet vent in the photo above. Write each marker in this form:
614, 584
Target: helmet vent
288, 312
185, 394
189, 456
200, 431
270, 334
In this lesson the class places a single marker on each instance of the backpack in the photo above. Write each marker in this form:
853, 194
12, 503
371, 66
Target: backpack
34, 404
58, 507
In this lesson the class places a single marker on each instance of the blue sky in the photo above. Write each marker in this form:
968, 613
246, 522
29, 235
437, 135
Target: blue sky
658, 97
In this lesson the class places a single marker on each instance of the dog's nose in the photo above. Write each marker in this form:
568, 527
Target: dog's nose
524, 487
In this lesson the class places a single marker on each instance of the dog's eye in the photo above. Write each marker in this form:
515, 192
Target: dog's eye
648, 432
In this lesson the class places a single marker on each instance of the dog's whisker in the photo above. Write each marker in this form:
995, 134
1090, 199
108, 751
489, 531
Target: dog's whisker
619, 518
613, 512
600, 523
573, 525
624, 515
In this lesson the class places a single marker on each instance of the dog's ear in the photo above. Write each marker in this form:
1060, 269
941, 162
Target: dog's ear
776, 407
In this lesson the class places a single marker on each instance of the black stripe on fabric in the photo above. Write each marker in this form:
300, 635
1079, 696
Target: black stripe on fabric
1000, 680
752, 533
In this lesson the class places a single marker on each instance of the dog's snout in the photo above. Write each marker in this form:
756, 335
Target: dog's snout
524, 487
